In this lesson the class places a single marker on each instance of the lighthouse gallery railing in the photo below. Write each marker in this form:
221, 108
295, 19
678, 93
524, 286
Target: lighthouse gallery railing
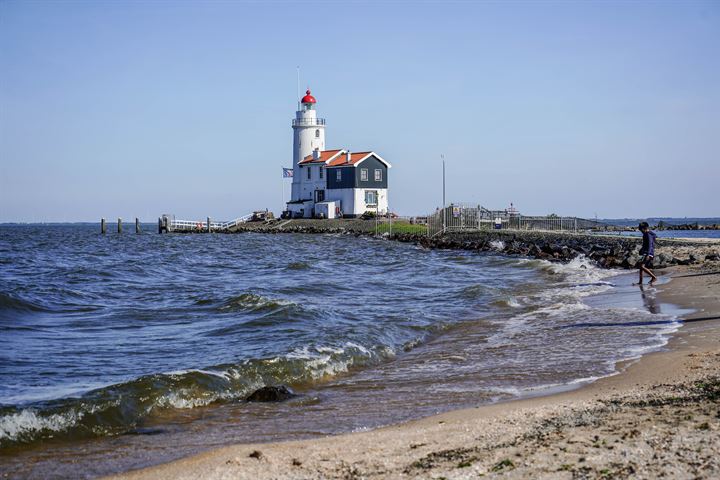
302, 122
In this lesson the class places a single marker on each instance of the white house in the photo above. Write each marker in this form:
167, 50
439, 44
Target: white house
330, 183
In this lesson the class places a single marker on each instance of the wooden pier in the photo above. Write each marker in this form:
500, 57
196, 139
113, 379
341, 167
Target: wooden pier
169, 224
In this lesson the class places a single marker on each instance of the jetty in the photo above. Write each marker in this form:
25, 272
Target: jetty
169, 224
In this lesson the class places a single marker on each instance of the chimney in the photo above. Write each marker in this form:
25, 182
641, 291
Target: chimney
348, 156
316, 154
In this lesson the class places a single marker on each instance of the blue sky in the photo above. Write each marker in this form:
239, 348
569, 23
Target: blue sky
142, 108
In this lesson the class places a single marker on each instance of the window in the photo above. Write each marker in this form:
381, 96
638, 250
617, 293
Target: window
370, 197
317, 133
320, 169
309, 170
378, 175
363, 174
338, 175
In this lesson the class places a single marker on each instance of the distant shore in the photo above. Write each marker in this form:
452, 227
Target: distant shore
657, 417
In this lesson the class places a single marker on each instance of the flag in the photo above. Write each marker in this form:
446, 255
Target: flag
287, 172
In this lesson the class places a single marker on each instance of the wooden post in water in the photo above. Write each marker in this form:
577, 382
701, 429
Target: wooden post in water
160, 226
102, 226
137, 225
208, 224
119, 225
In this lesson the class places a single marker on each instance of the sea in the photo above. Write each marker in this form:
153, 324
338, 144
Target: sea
120, 351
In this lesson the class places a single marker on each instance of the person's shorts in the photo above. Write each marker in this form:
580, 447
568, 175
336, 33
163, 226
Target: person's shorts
647, 261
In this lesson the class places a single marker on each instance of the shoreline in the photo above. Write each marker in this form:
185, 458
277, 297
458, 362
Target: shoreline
523, 437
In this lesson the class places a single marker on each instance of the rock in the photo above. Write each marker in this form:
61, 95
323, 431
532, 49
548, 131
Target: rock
631, 261
256, 454
713, 257
663, 260
271, 394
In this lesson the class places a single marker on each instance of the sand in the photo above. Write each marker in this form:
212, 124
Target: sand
659, 417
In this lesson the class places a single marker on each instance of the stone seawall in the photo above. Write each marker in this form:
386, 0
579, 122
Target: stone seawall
605, 250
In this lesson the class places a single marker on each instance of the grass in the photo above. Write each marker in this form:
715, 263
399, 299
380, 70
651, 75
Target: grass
402, 227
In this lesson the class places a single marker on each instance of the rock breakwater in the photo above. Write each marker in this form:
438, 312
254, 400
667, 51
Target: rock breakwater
608, 251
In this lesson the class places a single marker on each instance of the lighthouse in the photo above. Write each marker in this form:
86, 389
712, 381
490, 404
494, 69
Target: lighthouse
308, 136
332, 183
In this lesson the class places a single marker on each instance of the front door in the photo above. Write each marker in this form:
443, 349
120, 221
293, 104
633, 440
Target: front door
319, 196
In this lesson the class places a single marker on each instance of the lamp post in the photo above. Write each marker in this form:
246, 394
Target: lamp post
442, 156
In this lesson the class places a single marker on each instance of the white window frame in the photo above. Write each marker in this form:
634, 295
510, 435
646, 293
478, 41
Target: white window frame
378, 175
338, 175
309, 175
364, 175
374, 194
320, 170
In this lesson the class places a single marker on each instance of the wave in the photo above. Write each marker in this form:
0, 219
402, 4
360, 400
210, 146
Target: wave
9, 302
298, 266
251, 302
122, 408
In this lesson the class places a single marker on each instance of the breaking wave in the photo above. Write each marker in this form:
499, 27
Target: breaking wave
122, 408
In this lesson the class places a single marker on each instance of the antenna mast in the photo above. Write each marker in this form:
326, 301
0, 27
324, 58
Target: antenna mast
298, 87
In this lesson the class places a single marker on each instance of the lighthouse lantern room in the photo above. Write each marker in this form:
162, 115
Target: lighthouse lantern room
332, 183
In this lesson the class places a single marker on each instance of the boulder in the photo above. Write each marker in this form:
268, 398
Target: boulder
271, 394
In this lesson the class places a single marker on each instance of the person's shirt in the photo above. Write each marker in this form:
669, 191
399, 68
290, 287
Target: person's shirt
648, 245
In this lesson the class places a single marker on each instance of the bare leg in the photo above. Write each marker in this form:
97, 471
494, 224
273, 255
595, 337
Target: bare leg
640, 282
644, 268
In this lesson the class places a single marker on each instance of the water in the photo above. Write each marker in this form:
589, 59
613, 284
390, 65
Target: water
672, 233
121, 351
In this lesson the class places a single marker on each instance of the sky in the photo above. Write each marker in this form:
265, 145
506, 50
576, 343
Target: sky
139, 108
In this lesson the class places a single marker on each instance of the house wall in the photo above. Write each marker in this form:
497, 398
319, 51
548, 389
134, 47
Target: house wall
345, 197
308, 187
347, 180
360, 205
371, 164
351, 176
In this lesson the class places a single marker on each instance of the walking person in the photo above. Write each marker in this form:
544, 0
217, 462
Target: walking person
647, 251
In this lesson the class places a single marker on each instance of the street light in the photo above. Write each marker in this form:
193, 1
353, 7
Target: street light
442, 156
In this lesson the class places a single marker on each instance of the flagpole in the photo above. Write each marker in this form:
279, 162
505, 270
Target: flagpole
282, 188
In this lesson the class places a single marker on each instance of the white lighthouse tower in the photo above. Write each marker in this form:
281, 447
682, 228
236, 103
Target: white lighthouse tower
308, 135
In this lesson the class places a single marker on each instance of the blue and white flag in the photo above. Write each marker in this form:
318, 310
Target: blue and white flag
287, 172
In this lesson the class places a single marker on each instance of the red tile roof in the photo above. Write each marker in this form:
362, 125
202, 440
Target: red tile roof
338, 158
325, 155
335, 158
355, 157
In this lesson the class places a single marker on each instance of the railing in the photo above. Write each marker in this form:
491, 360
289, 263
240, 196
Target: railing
302, 122
470, 218
174, 225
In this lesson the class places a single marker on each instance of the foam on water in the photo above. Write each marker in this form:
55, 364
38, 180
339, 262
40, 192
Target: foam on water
338, 318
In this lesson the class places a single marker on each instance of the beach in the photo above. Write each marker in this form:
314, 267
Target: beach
659, 416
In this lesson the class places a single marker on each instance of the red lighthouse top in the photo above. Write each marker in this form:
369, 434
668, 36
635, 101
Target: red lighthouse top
308, 98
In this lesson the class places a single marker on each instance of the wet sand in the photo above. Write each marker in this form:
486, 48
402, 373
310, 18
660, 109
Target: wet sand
659, 417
